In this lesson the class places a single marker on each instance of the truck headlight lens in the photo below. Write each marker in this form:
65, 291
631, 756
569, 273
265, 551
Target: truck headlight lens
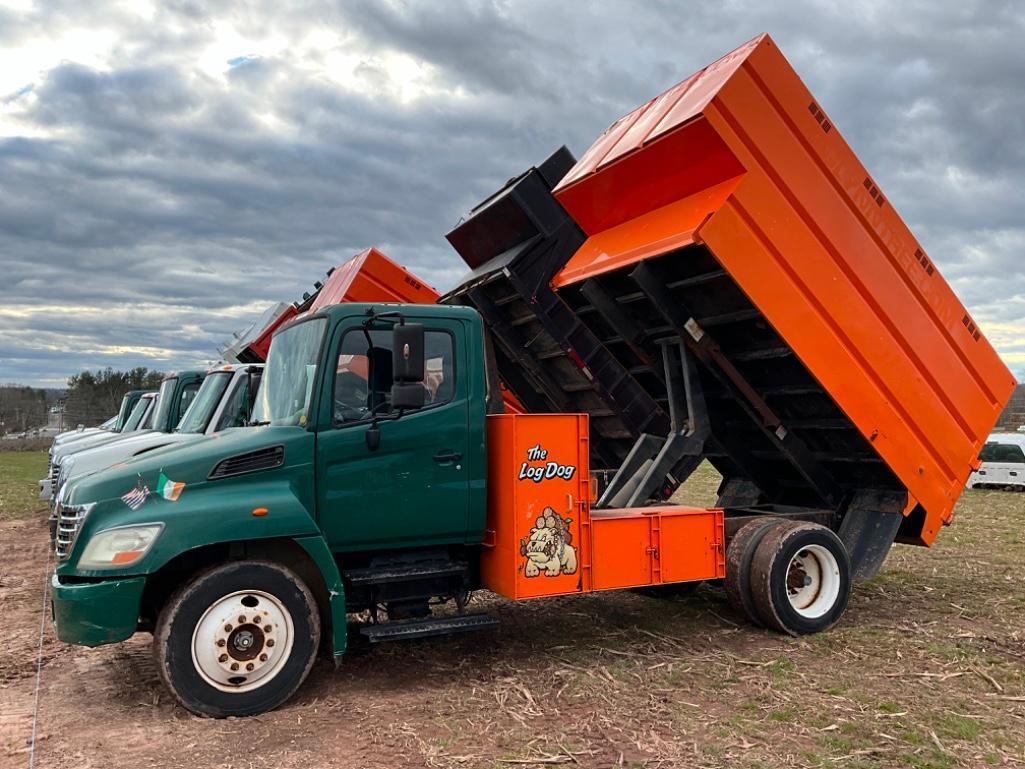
119, 547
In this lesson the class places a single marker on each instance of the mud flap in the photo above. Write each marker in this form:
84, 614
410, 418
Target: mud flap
868, 529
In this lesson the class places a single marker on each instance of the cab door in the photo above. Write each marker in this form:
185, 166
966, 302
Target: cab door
413, 489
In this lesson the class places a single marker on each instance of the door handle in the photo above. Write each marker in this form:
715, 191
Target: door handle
447, 455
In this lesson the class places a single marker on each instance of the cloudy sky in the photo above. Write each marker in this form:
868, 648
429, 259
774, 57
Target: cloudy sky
168, 169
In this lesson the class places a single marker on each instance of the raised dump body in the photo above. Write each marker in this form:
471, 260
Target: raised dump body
515, 242
733, 235
369, 276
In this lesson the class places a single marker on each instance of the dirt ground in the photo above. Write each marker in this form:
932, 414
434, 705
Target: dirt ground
926, 670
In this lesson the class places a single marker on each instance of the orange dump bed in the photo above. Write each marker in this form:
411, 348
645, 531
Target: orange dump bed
370, 276
739, 169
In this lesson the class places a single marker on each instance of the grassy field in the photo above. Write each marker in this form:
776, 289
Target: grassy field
19, 471
926, 670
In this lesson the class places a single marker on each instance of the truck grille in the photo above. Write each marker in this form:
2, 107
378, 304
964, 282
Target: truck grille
69, 521
55, 471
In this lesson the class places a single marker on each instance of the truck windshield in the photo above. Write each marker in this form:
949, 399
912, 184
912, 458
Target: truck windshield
123, 413
164, 398
132, 423
205, 404
287, 384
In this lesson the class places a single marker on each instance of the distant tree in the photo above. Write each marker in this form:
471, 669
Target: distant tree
95, 396
22, 408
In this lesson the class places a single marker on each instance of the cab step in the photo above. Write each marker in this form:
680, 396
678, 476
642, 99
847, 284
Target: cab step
411, 573
431, 626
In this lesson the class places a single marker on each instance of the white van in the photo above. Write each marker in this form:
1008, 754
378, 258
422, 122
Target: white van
1003, 463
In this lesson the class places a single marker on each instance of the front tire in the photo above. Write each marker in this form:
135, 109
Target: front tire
238, 639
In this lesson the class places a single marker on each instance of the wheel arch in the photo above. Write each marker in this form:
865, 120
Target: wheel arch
309, 557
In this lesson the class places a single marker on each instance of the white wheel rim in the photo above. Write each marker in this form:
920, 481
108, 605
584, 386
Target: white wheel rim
242, 641
813, 581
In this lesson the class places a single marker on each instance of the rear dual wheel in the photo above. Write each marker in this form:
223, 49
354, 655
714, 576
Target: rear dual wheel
791, 576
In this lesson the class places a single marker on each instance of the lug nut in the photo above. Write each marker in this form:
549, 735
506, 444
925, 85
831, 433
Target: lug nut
221, 642
263, 658
234, 666
270, 641
223, 658
241, 619
267, 628
227, 628
250, 666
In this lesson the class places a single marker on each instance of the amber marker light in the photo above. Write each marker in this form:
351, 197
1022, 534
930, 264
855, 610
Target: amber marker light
259, 512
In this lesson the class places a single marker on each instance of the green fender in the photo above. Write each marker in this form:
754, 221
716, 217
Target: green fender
318, 550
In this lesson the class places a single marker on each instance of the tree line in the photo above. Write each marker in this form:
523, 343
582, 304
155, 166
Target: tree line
95, 396
91, 397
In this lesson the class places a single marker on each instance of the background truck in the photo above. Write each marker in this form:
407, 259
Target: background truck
139, 417
114, 424
1002, 463
369, 276
223, 401
717, 278
161, 413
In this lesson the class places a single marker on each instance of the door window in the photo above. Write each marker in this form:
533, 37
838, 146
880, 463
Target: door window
363, 374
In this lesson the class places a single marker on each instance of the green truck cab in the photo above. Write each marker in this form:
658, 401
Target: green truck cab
361, 487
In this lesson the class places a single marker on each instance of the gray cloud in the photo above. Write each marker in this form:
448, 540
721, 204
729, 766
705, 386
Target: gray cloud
157, 191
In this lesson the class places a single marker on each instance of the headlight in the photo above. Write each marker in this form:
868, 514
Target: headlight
119, 547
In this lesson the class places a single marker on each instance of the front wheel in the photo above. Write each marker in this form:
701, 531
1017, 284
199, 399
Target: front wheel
238, 639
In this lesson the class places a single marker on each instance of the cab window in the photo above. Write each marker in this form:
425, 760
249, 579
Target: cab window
1002, 452
363, 374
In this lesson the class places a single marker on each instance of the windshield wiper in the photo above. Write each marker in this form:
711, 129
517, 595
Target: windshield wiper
257, 423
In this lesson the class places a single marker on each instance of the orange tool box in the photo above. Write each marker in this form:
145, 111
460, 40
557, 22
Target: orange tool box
739, 161
542, 538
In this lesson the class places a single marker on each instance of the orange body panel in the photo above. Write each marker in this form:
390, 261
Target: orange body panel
542, 538
656, 545
810, 239
528, 460
370, 276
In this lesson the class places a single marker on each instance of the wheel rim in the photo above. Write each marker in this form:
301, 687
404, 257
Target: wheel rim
242, 641
813, 581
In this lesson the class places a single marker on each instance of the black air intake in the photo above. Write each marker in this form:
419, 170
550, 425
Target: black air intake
253, 461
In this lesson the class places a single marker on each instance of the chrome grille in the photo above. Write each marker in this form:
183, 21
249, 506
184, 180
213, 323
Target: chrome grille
55, 471
69, 521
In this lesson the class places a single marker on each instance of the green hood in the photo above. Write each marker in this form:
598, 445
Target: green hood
202, 509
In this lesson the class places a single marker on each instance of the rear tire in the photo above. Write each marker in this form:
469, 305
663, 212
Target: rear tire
800, 578
738, 566
238, 639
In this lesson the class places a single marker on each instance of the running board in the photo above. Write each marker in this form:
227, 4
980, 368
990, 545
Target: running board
424, 628
411, 573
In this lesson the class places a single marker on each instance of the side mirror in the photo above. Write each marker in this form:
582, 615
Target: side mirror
408, 396
408, 353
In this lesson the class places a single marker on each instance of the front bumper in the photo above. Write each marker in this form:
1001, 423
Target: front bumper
96, 613
45, 489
